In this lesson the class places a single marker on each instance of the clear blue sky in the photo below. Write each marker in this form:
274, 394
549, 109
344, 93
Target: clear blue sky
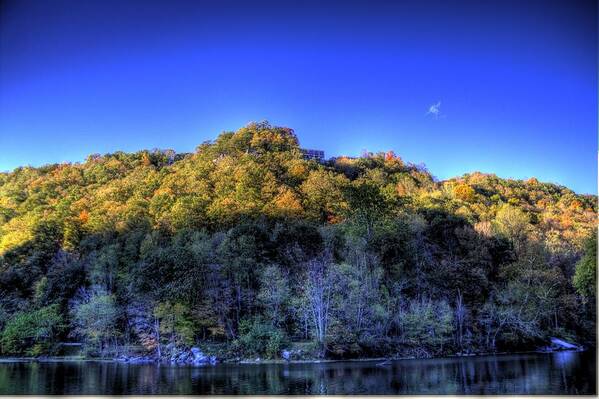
517, 80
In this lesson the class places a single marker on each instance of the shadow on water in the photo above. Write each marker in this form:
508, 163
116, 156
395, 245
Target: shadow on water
557, 373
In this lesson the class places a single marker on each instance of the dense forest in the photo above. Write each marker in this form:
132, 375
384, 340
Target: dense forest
245, 249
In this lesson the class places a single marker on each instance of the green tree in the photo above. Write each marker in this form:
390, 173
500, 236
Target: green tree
513, 224
176, 324
367, 205
32, 332
274, 293
585, 276
427, 324
95, 317
323, 196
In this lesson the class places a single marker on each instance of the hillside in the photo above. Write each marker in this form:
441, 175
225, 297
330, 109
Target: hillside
247, 247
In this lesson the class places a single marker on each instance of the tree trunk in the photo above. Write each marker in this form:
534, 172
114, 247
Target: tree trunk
157, 330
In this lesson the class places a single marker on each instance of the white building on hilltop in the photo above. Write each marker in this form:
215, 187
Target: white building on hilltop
317, 155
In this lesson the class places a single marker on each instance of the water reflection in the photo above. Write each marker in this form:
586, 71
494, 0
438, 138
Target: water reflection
559, 373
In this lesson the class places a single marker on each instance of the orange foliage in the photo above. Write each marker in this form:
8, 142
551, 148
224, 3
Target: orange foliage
576, 205
84, 216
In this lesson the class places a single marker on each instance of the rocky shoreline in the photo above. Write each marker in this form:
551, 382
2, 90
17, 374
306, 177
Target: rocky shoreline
194, 356
213, 360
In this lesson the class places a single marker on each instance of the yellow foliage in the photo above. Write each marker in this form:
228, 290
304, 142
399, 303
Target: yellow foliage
287, 204
298, 170
464, 192
14, 233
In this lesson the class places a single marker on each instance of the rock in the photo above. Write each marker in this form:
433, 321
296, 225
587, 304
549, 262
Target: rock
195, 350
198, 355
291, 354
557, 344
192, 356
285, 354
186, 356
562, 344
139, 359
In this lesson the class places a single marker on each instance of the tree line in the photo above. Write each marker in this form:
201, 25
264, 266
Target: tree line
247, 248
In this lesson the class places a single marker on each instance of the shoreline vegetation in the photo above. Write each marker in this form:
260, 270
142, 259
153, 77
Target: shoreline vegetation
247, 249
383, 360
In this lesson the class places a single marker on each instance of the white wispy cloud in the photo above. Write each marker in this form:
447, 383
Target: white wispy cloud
435, 110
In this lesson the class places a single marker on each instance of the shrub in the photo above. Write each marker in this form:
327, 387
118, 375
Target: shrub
258, 338
31, 333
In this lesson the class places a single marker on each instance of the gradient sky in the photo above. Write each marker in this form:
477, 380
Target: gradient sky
517, 80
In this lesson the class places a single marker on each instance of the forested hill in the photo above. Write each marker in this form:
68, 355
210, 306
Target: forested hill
247, 247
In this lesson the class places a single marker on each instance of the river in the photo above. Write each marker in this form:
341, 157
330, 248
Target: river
535, 373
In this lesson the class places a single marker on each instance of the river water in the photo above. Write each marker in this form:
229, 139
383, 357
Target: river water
537, 373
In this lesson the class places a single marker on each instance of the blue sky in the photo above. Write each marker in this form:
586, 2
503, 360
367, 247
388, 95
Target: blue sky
517, 81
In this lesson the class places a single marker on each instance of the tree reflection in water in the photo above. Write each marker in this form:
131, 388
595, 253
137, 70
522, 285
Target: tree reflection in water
558, 373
